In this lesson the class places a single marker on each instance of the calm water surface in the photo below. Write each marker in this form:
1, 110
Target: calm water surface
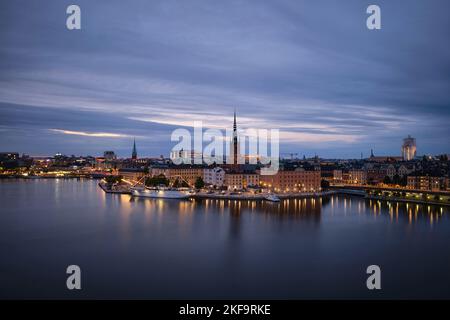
143, 248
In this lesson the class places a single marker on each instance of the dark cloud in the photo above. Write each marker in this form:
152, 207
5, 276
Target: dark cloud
310, 68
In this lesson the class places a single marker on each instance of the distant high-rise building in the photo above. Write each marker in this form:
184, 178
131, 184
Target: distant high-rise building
134, 153
409, 148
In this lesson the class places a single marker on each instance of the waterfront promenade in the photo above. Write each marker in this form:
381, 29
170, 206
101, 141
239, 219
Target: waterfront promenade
388, 194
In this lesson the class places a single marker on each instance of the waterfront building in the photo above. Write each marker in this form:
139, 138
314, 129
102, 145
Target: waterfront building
337, 176
214, 176
425, 183
356, 176
134, 174
239, 181
157, 170
101, 164
409, 148
188, 173
297, 180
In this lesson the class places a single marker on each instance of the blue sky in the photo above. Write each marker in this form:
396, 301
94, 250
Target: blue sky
144, 68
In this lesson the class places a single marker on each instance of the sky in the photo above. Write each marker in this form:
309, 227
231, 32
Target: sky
141, 69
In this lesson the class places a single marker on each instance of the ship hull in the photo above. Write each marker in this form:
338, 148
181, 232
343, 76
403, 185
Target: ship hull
160, 194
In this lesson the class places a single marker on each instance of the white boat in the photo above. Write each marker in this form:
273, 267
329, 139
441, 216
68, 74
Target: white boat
159, 193
272, 197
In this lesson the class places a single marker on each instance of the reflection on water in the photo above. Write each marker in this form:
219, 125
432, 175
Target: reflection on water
294, 208
406, 212
290, 211
215, 248
302, 209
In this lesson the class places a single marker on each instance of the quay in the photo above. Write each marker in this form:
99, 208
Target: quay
248, 196
394, 199
245, 196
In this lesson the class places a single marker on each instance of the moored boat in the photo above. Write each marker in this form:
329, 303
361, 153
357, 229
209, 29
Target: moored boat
272, 198
160, 193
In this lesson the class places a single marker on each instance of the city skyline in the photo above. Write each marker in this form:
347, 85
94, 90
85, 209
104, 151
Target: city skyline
312, 70
234, 149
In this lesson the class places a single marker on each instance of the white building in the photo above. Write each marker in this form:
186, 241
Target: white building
214, 176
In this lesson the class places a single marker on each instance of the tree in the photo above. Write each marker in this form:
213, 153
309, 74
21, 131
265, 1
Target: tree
387, 180
199, 183
111, 180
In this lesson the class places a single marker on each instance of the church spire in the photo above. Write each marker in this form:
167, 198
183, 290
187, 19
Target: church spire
134, 153
235, 143
234, 123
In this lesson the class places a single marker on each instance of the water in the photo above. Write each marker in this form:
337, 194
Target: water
143, 248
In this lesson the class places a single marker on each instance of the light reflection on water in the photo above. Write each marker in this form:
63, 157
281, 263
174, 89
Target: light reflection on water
216, 248
306, 208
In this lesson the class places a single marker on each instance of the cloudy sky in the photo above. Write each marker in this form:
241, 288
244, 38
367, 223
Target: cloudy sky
144, 68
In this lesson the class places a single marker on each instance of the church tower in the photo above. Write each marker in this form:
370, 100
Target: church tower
234, 143
134, 153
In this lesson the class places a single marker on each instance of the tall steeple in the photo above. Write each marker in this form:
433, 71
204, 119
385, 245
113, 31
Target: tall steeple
234, 123
134, 153
235, 143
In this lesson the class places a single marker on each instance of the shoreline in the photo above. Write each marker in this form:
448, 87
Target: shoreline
253, 197
284, 196
414, 201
